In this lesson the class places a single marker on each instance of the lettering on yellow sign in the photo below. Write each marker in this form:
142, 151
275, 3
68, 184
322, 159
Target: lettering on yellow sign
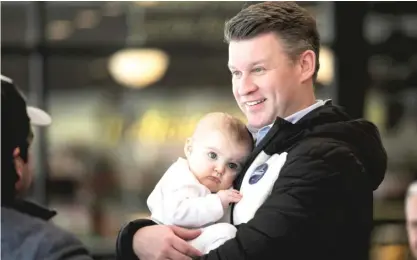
156, 127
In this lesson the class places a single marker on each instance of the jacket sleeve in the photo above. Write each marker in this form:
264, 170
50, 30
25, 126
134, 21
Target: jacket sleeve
306, 186
124, 241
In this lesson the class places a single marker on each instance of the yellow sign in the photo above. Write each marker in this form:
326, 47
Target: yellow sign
156, 127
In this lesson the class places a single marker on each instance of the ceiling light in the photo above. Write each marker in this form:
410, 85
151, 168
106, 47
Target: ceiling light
138, 68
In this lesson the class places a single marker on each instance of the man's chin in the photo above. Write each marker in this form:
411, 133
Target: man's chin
258, 123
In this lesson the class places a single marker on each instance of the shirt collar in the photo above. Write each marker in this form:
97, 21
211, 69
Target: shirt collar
294, 118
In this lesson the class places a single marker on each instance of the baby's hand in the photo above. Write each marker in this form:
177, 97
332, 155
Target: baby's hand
229, 196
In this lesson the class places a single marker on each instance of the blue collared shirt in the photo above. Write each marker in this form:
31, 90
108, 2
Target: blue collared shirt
294, 118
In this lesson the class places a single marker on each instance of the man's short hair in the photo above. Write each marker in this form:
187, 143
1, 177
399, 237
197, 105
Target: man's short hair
294, 25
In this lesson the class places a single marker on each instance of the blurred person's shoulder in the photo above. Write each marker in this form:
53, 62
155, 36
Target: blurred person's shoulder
28, 236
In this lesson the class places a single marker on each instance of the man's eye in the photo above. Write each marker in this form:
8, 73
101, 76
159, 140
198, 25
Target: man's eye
212, 155
258, 70
236, 73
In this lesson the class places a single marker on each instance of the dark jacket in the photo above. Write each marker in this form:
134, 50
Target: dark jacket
321, 205
27, 234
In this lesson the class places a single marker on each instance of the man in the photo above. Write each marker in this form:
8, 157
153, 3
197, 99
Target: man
25, 230
323, 165
411, 217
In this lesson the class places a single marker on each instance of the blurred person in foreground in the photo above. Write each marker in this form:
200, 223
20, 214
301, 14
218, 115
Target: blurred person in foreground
196, 191
25, 230
411, 217
326, 163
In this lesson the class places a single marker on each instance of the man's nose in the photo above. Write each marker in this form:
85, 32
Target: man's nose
246, 86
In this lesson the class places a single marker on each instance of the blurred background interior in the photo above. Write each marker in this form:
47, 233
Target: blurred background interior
125, 83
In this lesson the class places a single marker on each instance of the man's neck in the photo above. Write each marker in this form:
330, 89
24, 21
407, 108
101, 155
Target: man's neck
303, 104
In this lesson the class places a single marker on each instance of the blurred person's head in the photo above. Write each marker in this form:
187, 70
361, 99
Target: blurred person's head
217, 149
274, 60
411, 216
17, 136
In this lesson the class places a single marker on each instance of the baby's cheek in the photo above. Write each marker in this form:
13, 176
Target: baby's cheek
227, 182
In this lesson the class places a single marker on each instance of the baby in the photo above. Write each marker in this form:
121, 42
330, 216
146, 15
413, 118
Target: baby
196, 192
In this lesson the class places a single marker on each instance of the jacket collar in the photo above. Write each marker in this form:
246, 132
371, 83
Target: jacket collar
31, 209
285, 134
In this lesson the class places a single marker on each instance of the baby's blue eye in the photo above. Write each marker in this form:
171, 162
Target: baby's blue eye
212, 155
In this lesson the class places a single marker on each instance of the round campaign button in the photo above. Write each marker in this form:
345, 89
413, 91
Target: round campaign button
258, 173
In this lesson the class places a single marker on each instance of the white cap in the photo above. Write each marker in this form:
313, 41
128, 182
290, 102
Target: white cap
412, 189
38, 117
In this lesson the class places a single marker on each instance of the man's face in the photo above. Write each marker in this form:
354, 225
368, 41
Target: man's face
265, 80
411, 215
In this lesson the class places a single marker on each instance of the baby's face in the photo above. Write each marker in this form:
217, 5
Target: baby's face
216, 160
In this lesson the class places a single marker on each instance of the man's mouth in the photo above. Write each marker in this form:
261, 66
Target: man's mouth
256, 102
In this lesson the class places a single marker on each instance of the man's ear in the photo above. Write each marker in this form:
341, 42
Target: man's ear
188, 147
308, 65
19, 165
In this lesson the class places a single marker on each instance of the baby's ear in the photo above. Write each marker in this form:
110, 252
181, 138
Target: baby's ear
188, 147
